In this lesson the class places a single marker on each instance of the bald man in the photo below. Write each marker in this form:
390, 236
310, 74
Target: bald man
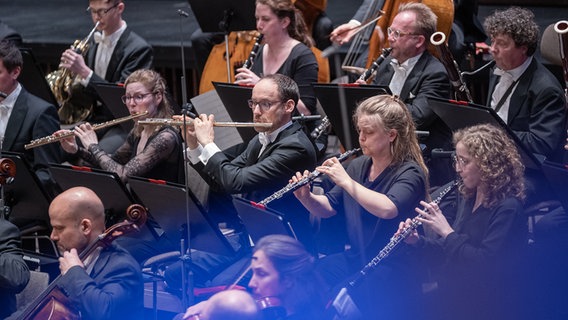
107, 284
229, 304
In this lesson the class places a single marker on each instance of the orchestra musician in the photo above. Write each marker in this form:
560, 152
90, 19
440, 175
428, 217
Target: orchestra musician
149, 151
108, 283
113, 54
524, 93
413, 74
266, 164
284, 277
373, 193
231, 304
14, 272
25, 117
477, 257
202, 42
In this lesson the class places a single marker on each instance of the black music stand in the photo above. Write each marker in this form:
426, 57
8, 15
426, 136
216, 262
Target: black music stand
33, 79
458, 115
111, 94
166, 202
261, 220
234, 98
224, 16
25, 197
107, 185
339, 102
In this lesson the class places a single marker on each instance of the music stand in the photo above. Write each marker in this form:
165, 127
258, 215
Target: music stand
25, 196
234, 98
166, 202
224, 16
557, 176
33, 79
261, 220
458, 115
210, 103
339, 102
107, 185
111, 94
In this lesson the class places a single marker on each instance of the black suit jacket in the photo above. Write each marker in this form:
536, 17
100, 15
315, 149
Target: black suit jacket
113, 290
428, 78
14, 271
131, 53
33, 118
258, 177
537, 111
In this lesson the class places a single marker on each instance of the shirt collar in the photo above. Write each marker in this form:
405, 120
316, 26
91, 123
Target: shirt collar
517, 72
10, 100
408, 64
113, 38
271, 137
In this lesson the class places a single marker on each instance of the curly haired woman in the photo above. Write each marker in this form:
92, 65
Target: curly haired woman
476, 253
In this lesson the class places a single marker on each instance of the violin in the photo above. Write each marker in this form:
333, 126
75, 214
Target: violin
7, 171
53, 303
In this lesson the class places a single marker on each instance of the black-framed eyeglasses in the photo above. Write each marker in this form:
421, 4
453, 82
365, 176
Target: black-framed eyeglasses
139, 97
397, 33
264, 105
461, 161
101, 12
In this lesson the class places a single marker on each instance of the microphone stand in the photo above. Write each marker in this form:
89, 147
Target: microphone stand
185, 257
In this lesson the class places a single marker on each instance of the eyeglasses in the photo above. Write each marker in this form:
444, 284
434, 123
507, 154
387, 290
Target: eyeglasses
461, 161
137, 97
397, 33
264, 105
101, 12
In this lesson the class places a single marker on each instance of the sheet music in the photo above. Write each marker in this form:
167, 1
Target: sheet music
210, 103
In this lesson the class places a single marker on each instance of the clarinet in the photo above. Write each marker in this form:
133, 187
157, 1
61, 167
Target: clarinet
375, 65
255, 48
316, 133
461, 91
396, 240
295, 185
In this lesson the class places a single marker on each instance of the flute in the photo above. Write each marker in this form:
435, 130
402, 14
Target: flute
179, 123
310, 177
54, 138
396, 240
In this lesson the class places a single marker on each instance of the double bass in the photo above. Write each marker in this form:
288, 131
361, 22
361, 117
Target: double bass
52, 303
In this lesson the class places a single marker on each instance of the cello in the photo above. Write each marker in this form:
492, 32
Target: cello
52, 303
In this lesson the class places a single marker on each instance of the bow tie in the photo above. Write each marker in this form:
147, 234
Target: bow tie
101, 39
398, 67
500, 72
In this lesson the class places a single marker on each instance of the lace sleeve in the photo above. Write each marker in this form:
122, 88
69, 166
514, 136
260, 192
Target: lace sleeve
158, 148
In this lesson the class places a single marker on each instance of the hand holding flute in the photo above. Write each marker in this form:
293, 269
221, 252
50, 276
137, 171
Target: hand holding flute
84, 132
198, 131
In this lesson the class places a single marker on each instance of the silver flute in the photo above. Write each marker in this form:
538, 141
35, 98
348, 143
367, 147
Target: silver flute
302, 182
397, 239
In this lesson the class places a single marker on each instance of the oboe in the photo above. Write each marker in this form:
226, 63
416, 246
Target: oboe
396, 240
295, 185
369, 72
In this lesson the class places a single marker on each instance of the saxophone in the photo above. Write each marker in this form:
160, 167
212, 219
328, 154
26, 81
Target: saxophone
61, 84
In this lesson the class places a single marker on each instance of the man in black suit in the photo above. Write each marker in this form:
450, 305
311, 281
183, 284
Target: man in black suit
413, 74
14, 273
105, 284
25, 117
267, 164
113, 54
524, 93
